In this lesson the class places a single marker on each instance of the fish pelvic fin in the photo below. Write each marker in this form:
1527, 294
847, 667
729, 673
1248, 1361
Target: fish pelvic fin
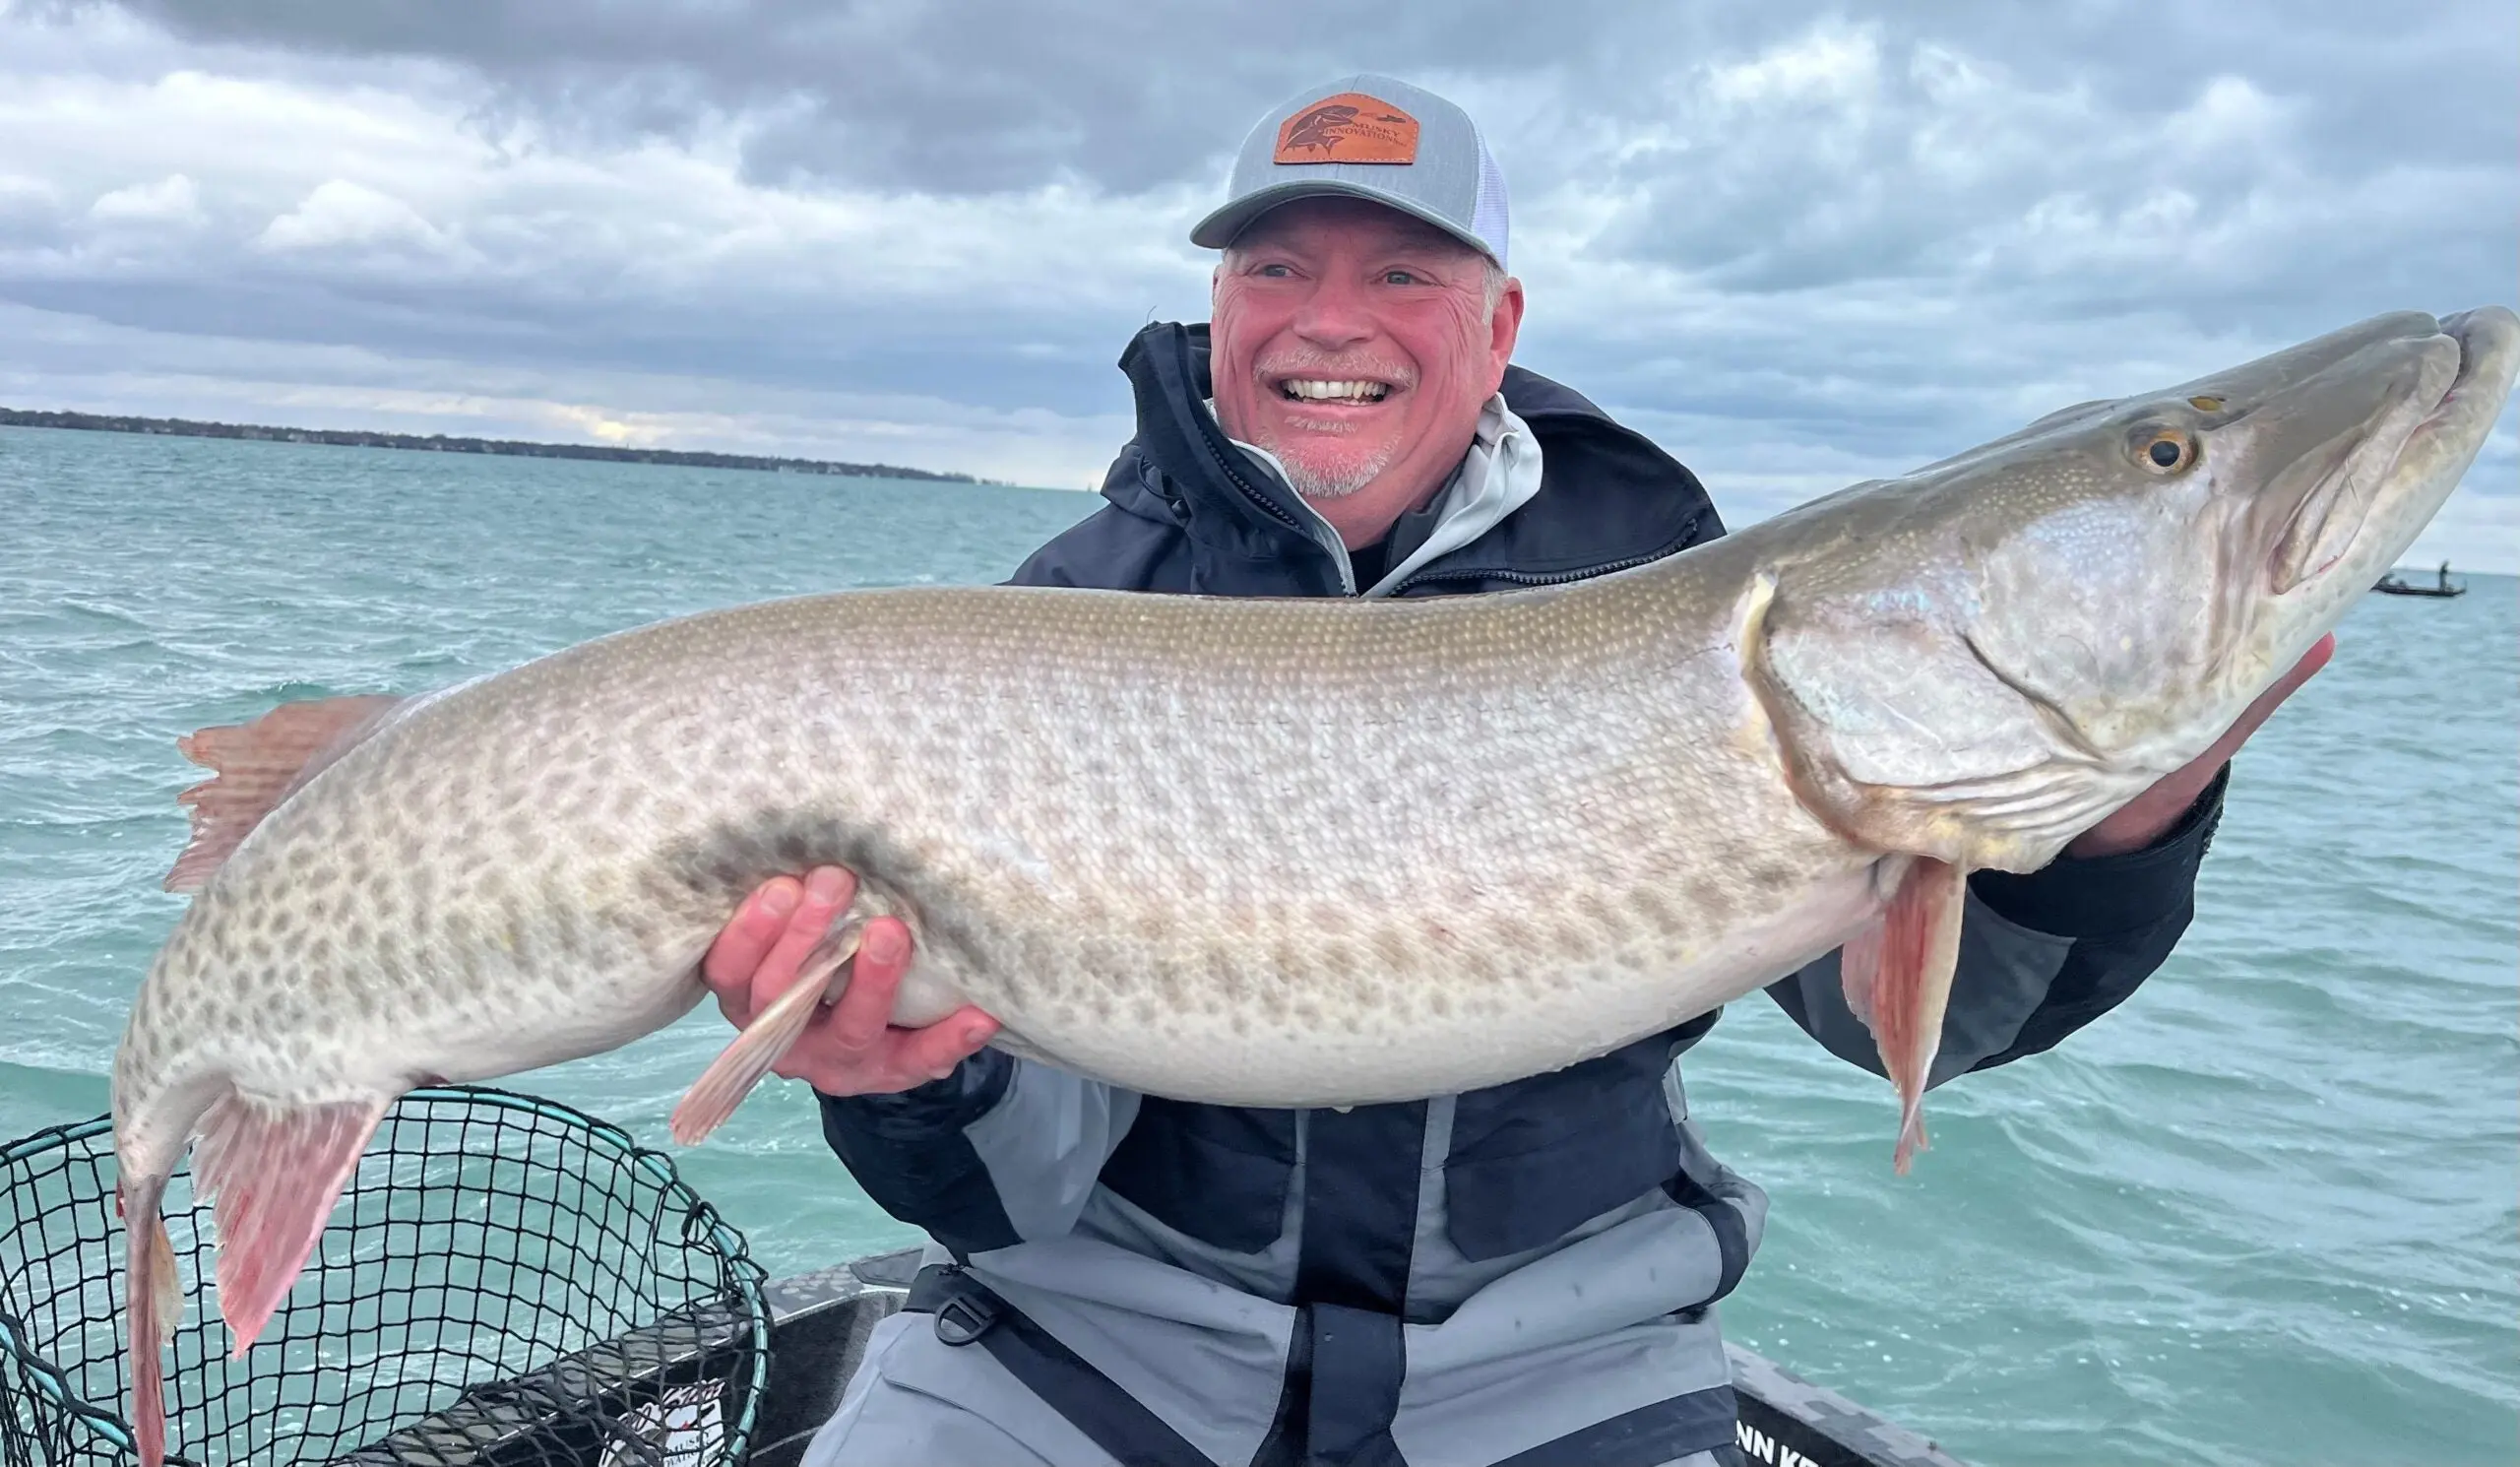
154, 1303
258, 764
1896, 974
723, 1086
274, 1173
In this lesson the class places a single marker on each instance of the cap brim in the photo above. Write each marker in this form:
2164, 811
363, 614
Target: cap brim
1220, 229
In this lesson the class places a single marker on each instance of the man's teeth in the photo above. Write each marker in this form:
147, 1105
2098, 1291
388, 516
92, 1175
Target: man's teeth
1354, 392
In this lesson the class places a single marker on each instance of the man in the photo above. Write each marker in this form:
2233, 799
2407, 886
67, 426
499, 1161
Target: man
1520, 1275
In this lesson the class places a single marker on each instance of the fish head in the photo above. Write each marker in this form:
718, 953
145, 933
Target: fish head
2153, 564
1999, 649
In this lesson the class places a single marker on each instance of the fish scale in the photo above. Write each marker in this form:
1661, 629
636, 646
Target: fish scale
1281, 852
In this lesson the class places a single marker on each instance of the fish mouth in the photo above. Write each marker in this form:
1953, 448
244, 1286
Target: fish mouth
2365, 495
2465, 327
2460, 376
2428, 463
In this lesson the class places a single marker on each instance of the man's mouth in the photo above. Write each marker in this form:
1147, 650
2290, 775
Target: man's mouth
1332, 390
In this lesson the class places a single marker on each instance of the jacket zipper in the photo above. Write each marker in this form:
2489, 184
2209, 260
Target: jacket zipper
1526, 578
1207, 432
1269, 507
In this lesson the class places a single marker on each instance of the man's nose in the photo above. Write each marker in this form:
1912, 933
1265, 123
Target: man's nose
1334, 316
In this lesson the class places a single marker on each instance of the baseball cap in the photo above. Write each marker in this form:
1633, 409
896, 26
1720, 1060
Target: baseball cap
1367, 137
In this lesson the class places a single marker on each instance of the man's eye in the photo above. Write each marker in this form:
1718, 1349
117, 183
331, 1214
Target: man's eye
1276, 272
1398, 277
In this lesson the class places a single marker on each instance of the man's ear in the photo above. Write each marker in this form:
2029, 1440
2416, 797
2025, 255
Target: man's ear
1505, 326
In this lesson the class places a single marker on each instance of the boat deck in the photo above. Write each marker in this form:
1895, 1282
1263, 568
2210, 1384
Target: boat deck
820, 1323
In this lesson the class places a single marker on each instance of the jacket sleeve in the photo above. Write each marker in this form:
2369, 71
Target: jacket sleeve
2041, 955
1005, 1150
1110, 549
999, 1152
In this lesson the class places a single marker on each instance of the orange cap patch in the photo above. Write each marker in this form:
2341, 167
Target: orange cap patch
1349, 128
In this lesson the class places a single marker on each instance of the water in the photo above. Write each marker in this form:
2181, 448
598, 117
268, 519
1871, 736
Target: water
2265, 1212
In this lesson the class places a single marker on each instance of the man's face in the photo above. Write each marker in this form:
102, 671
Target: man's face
1355, 343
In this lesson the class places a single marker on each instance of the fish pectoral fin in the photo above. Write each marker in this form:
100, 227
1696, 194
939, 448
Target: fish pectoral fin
1896, 974
723, 1086
258, 764
274, 1173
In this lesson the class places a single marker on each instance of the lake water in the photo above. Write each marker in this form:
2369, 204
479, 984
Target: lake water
2265, 1212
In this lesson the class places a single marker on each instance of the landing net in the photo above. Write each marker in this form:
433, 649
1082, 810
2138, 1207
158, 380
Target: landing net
506, 1281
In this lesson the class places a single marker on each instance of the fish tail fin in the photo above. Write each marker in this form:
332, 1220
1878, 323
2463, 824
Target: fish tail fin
274, 1173
731, 1076
1897, 980
154, 1302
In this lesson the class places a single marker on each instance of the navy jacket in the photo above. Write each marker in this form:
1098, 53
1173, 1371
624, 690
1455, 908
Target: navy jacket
1526, 1165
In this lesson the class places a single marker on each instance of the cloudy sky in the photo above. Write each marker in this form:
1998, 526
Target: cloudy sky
1799, 246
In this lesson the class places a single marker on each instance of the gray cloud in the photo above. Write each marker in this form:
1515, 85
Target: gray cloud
971, 97
985, 94
1801, 245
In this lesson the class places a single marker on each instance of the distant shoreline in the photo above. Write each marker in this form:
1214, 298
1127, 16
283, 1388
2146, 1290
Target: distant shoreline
182, 427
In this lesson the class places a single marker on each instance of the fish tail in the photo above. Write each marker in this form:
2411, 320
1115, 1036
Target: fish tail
155, 1303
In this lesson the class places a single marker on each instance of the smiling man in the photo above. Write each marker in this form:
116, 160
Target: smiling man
1521, 1275
1362, 346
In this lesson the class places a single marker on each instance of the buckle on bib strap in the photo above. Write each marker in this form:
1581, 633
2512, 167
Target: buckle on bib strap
968, 1311
963, 1306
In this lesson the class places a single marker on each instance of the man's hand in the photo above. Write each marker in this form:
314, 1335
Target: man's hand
851, 1046
2149, 815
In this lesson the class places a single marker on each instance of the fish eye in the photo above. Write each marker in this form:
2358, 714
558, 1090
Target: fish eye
2170, 451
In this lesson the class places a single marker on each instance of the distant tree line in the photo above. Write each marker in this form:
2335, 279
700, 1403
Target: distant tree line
181, 427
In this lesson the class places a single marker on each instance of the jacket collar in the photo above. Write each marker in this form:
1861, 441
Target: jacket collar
1498, 473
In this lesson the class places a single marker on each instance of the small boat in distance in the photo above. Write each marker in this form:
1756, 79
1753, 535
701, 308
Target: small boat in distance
2391, 585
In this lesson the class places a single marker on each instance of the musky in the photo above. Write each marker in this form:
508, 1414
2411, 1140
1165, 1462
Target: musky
1799, 246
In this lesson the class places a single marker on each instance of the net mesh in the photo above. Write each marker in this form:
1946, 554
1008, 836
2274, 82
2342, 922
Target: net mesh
505, 1281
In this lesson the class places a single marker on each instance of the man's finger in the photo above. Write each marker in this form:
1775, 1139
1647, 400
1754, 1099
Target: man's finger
865, 1008
931, 1052
828, 891
747, 935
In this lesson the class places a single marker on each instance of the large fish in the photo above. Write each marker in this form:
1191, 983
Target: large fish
1285, 853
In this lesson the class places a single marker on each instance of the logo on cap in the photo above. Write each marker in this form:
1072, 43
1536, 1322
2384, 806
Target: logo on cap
1349, 128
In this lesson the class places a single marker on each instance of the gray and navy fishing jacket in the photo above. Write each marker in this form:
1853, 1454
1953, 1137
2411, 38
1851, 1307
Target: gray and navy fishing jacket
1521, 1274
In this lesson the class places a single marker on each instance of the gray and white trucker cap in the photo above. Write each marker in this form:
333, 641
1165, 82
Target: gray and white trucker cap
1367, 137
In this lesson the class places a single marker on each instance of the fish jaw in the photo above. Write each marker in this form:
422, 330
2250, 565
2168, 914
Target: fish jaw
2379, 508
